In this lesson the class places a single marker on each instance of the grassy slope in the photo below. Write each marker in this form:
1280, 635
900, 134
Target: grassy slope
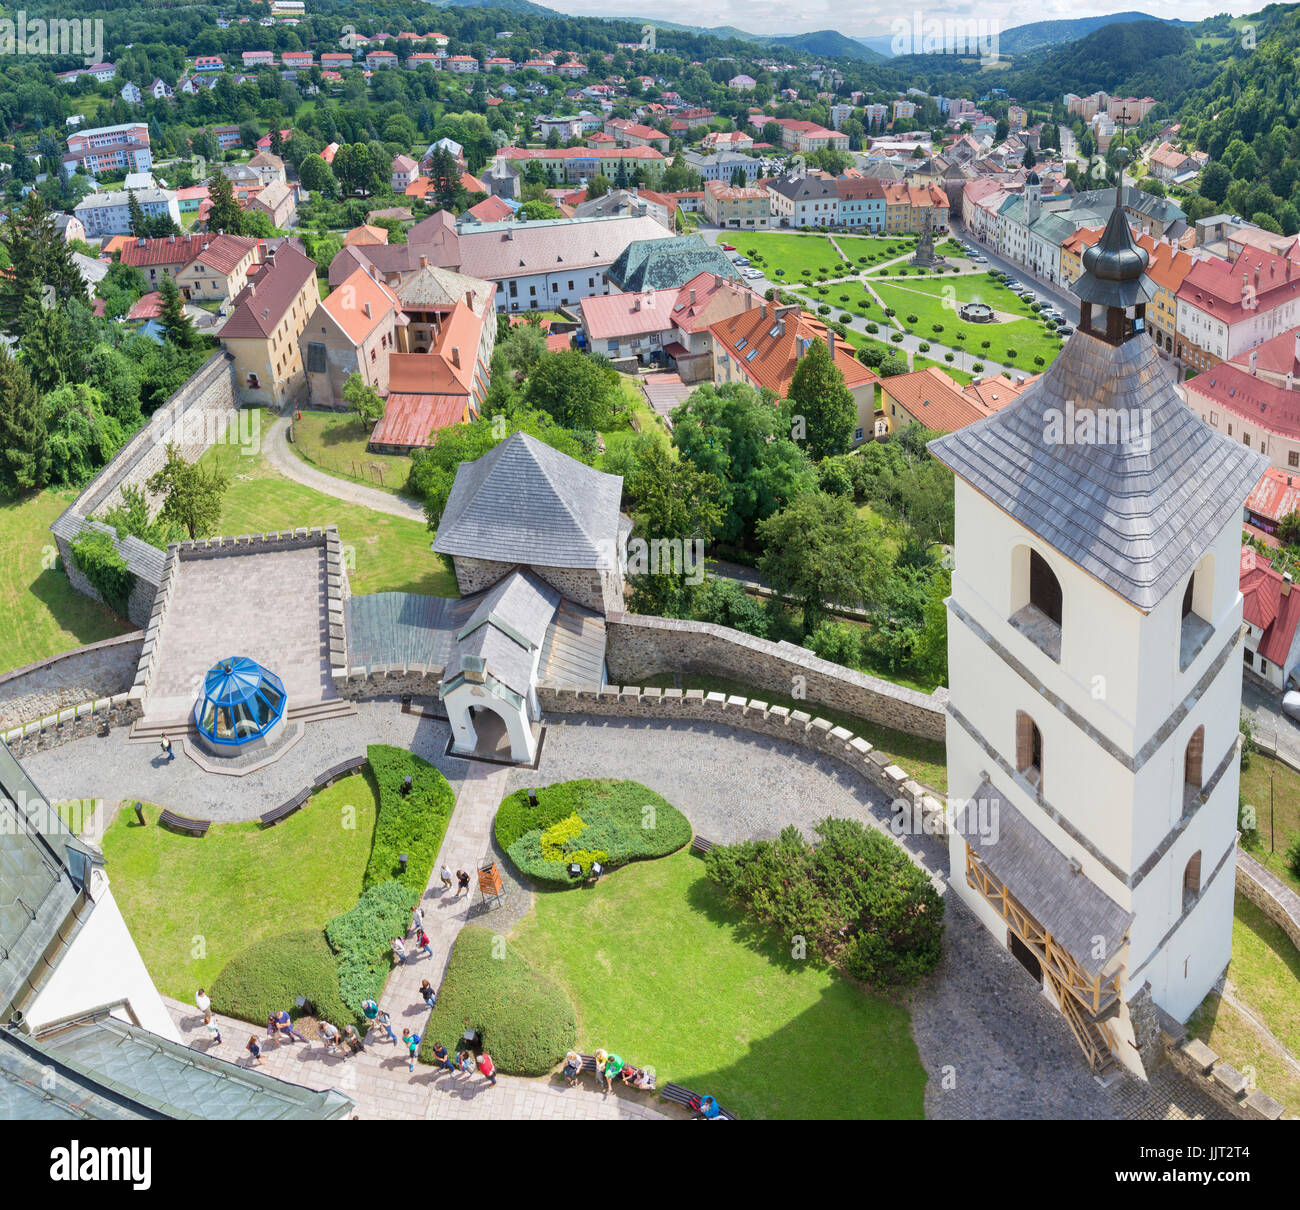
335, 442
193, 904
391, 553
43, 614
666, 973
1273, 789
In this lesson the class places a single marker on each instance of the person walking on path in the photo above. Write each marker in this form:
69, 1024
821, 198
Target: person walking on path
331, 1037
214, 1030
417, 920
487, 1069
445, 875
426, 991
201, 999
399, 951
166, 746
353, 1040
462, 882
412, 1047
423, 941
254, 1049
386, 1023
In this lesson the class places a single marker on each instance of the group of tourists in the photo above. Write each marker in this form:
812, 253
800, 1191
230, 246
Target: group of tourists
609, 1067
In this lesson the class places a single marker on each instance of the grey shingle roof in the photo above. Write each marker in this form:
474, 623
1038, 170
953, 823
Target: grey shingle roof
106, 1068
1136, 516
667, 264
524, 502
1066, 902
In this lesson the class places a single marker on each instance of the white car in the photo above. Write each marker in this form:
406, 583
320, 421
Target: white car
751, 272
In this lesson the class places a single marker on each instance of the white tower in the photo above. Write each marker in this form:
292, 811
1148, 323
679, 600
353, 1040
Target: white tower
1095, 674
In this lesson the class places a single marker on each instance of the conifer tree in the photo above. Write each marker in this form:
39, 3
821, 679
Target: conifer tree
24, 444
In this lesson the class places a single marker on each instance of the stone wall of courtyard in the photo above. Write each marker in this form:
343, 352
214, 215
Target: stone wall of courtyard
1270, 894
73, 722
99, 670
639, 646
198, 416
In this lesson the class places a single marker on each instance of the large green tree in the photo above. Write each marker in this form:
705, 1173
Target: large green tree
225, 216
818, 396
177, 326
192, 493
24, 443
40, 264
578, 391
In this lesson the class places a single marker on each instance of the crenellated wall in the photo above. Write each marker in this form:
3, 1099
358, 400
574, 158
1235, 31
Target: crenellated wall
639, 646
86, 674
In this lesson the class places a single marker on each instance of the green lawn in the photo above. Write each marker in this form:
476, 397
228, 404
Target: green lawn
931, 304
638, 417
960, 376
43, 614
924, 759
876, 248
335, 442
192, 903
667, 973
389, 554
790, 252
1265, 975
1273, 789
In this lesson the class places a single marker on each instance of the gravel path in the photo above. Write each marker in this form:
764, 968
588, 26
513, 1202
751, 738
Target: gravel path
280, 456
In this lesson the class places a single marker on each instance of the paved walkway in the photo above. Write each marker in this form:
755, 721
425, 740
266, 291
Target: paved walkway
286, 461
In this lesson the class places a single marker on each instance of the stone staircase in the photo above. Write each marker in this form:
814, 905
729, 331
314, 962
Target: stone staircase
151, 729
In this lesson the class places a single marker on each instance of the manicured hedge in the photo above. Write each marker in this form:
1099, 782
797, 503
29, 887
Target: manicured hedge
413, 825
525, 1019
272, 974
361, 938
603, 820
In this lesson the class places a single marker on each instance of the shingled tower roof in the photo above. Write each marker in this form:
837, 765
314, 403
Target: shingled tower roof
525, 502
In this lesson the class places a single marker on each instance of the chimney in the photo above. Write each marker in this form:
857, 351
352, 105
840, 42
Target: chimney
455, 356
424, 262
1290, 381
252, 289
366, 308
510, 233
1286, 583
762, 311
1254, 358
976, 381
830, 342
780, 328
636, 303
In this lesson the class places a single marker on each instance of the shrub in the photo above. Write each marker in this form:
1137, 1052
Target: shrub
1293, 854
622, 821
780, 272
873, 328
823, 309
844, 298
806, 272
947, 357
99, 560
413, 825
897, 337
1011, 354
911, 319
525, 1020
978, 366
923, 347
855, 896
986, 344
936, 328
1039, 361
270, 975
845, 317
361, 937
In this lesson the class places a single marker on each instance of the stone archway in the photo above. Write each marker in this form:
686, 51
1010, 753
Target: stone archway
477, 719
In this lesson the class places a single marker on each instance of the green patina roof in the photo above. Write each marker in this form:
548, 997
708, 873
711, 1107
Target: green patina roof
666, 264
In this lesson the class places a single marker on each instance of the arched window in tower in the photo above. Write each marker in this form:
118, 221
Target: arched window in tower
1029, 750
1192, 759
1192, 879
1044, 588
1197, 609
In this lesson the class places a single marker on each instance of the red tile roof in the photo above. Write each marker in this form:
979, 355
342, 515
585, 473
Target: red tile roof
148, 306
1276, 494
360, 305
1269, 603
490, 210
1280, 356
934, 399
261, 305
1256, 281
769, 353
1259, 402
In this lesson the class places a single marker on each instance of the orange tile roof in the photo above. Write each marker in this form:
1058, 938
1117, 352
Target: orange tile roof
934, 399
764, 343
409, 419
360, 305
366, 234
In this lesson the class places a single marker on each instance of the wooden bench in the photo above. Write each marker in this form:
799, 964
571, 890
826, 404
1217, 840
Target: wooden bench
677, 1095
179, 823
284, 810
701, 846
330, 776
589, 1065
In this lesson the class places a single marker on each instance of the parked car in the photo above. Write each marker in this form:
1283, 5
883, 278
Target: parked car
741, 260
727, 247
751, 273
1065, 330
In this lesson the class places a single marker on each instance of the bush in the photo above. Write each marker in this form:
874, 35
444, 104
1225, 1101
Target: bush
897, 338
923, 347
361, 938
936, 328
823, 309
855, 896
845, 317
99, 560
1039, 361
947, 357
1011, 354
844, 298
978, 366
525, 1020
270, 975
588, 820
1293, 855
911, 319
873, 328
413, 825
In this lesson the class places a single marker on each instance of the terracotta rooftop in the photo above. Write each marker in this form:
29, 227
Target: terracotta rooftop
360, 305
935, 400
1232, 292
1276, 494
1270, 603
1263, 404
261, 305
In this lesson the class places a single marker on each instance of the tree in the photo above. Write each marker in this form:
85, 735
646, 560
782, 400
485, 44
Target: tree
539, 211
130, 518
316, 176
24, 443
39, 261
192, 493
576, 390
139, 224
738, 178
818, 394
177, 327
1029, 159
363, 399
598, 186
818, 549
1214, 181
225, 216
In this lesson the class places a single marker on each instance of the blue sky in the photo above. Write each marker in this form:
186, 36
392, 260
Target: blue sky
872, 18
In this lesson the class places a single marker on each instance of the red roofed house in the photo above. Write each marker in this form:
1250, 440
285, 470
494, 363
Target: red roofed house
670, 325
1270, 607
1227, 308
204, 267
763, 345
1255, 397
380, 58
352, 331
264, 143
489, 210
147, 306
336, 60
1276, 495
262, 334
934, 400
404, 171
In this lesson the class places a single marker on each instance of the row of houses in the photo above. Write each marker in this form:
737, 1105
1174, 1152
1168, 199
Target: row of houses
858, 203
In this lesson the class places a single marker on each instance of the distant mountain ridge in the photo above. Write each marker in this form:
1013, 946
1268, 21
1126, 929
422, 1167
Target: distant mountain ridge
1038, 34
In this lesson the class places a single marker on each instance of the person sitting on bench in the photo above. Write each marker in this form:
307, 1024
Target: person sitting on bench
708, 1111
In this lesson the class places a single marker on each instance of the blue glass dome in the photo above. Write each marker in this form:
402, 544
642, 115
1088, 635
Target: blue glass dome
241, 702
